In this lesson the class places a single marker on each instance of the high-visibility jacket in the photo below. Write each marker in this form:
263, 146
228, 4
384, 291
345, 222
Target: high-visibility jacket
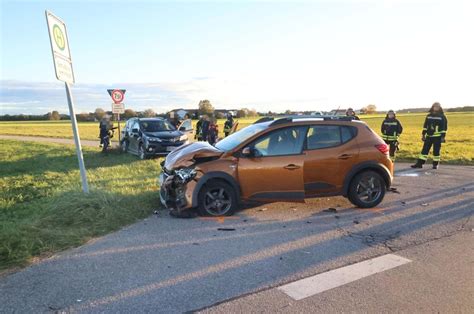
391, 129
229, 123
436, 125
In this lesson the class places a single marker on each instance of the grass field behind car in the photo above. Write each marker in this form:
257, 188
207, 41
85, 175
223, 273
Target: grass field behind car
457, 150
42, 208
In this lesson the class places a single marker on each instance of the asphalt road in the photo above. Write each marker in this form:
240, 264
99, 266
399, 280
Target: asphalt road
172, 265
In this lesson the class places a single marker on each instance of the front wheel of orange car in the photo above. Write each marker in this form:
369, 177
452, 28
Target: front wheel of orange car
217, 198
367, 189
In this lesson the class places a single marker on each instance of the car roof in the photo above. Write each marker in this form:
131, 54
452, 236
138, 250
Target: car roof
289, 120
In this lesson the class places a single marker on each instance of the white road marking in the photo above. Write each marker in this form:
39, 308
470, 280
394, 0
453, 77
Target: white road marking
310, 286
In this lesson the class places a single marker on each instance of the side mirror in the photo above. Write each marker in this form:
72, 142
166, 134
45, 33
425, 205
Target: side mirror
135, 130
183, 129
248, 152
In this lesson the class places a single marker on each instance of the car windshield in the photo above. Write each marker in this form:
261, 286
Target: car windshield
233, 140
156, 126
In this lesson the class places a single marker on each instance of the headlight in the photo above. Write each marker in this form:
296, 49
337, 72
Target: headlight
185, 174
154, 139
183, 137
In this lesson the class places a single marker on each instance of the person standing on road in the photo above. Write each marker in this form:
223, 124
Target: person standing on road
351, 113
391, 130
434, 133
229, 123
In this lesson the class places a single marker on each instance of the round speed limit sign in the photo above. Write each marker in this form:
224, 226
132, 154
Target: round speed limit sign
117, 96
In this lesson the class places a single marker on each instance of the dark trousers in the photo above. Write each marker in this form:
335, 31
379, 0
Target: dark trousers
102, 134
436, 143
393, 148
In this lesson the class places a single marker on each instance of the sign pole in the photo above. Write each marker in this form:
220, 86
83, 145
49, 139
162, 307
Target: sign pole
77, 140
118, 119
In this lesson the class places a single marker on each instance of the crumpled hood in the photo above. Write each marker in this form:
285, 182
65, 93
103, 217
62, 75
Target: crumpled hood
184, 156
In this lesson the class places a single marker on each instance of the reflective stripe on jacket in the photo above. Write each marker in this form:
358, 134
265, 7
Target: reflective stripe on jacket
391, 129
435, 125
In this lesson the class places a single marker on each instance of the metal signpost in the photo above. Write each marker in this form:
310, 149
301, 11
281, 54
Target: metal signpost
117, 107
64, 72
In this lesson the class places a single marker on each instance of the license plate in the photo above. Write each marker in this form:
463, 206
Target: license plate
170, 148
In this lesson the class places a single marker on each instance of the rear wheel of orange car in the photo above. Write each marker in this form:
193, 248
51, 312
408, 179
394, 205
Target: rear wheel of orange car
217, 198
367, 189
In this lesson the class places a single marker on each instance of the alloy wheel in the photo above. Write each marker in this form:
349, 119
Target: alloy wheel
369, 188
217, 201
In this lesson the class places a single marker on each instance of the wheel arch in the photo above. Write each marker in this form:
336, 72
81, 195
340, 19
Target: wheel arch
215, 175
365, 166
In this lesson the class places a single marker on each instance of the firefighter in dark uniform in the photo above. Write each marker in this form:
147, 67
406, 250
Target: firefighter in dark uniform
351, 113
104, 126
229, 123
198, 135
391, 130
205, 128
434, 133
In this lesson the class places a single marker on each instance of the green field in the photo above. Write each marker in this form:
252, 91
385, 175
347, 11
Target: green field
62, 129
457, 150
42, 208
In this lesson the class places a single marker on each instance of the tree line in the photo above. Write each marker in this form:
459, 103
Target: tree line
204, 108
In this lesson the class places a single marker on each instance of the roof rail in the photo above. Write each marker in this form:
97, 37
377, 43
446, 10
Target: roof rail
264, 119
321, 118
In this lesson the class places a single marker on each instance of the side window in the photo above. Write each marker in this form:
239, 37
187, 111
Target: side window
135, 125
325, 136
348, 133
287, 141
187, 124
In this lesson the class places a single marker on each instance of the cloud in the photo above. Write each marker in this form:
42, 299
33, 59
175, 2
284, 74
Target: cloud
38, 97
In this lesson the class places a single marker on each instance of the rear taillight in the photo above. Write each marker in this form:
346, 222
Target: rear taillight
383, 148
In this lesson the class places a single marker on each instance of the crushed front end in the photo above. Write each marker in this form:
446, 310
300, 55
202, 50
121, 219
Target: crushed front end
180, 172
176, 188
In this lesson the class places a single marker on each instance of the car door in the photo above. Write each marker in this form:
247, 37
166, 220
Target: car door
331, 151
133, 136
186, 127
275, 171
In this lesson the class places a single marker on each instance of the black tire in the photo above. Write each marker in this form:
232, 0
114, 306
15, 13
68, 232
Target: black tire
367, 189
217, 198
124, 146
141, 152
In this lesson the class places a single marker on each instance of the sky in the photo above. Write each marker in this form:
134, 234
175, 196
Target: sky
267, 55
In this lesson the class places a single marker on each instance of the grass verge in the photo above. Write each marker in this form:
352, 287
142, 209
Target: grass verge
42, 208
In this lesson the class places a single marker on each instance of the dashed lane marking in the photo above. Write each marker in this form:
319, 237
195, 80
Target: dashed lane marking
310, 286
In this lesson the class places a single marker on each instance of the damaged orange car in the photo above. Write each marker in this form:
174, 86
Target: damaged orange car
287, 159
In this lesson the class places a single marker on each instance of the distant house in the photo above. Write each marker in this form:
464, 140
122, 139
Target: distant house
182, 114
224, 112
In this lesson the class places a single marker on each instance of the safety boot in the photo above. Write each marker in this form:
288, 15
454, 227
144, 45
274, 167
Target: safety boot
419, 164
435, 164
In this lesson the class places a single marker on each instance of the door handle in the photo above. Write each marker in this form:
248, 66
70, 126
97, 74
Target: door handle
344, 156
291, 167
